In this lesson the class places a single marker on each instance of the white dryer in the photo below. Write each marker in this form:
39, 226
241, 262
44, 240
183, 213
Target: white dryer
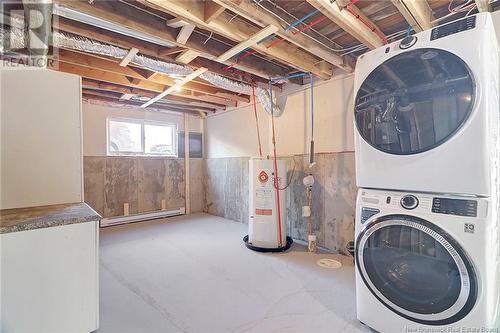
427, 112
426, 263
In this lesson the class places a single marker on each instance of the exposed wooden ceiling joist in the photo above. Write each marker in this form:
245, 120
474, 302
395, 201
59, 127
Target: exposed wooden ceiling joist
186, 29
164, 103
128, 58
417, 13
238, 31
185, 57
251, 41
211, 11
349, 22
110, 100
122, 80
96, 62
147, 24
176, 86
145, 48
262, 18
104, 86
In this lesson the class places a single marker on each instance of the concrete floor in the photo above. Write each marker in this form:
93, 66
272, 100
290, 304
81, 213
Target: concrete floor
194, 274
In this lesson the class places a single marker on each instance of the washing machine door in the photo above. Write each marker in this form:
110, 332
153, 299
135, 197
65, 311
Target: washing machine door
416, 269
414, 101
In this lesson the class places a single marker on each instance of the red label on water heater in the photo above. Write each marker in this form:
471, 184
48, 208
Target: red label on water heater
263, 177
264, 212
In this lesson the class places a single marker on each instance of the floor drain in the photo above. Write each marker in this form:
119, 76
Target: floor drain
329, 263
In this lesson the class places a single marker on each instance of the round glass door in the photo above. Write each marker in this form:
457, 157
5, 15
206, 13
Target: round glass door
414, 101
416, 269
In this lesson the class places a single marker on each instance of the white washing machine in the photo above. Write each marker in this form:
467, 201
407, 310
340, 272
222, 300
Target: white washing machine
427, 112
427, 263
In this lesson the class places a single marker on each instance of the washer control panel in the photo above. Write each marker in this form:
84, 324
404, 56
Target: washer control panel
454, 27
450, 206
375, 202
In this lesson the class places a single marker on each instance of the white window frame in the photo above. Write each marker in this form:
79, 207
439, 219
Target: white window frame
142, 122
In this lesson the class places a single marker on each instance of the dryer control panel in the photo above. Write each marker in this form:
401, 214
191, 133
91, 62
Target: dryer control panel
454, 27
450, 206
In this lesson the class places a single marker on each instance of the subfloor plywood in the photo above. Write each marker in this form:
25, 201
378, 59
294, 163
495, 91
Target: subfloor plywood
194, 274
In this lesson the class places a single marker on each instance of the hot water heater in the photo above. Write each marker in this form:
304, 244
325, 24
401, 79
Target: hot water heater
267, 206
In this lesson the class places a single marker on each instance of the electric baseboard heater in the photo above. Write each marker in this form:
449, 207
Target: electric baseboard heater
110, 221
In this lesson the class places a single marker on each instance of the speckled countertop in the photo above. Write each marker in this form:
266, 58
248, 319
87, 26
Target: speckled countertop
21, 219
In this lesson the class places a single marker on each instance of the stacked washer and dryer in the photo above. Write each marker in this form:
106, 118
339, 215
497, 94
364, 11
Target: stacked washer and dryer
427, 146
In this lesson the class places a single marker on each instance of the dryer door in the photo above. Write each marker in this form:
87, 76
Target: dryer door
414, 101
416, 269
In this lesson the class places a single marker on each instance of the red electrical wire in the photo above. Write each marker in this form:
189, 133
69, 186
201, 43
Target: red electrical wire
276, 184
310, 25
365, 22
256, 118
279, 40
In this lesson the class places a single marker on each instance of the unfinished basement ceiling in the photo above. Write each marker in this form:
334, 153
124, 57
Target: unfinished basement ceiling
312, 36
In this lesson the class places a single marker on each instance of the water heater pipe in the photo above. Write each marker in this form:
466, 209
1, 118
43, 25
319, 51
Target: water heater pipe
311, 147
276, 180
256, 118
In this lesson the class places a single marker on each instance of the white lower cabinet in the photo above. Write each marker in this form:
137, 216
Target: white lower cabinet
49, 279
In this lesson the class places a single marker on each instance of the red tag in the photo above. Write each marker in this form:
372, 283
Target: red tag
263, 177
263, 212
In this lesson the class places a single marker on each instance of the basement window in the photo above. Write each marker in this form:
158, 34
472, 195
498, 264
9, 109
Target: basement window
141, 137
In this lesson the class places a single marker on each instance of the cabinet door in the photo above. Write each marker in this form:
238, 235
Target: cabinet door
49, 279
41, 148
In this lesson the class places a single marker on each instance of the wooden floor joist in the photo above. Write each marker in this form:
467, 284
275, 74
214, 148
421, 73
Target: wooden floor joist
118, 79
417, 13
349, 22
96, 62
239, 31
257, 15
251, 41
128, 58
176, 86
147, 24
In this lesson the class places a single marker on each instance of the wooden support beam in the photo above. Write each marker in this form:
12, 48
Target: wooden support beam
251, 41
177, 22
176, 86
259, 16
483, 5
239, 31
133, 80
136, 74
349, 22
186, 29
171, 50
118, 79
113, 12
113, 100
417, 13
187, 56
149, 49
127, 96
185, 33
211, 11
104, 86
128, 58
